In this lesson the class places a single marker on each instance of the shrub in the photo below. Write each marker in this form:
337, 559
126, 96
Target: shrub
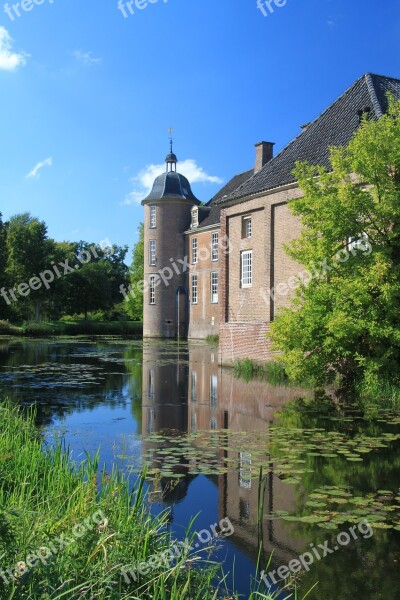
7, 329
39, 329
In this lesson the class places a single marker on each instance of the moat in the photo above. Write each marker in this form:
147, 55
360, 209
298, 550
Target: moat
205, 436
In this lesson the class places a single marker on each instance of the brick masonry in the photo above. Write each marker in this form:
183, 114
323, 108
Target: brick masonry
246, 312
204, 316
161, 319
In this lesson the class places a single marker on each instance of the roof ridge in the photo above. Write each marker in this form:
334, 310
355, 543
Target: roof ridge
287, 147
373, 95
383, 76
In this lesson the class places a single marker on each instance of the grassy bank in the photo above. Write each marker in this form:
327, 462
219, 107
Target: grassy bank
64, 536
273, 372
78, 327
376, 393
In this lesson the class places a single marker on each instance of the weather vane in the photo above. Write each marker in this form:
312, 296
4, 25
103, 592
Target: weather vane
171, 139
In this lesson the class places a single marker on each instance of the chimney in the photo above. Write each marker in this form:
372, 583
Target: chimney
264, 153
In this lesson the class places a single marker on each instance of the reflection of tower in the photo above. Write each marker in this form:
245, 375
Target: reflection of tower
165, 388
167, 216
165, 406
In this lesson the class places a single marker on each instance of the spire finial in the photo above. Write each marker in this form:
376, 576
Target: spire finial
171, 159
171, 138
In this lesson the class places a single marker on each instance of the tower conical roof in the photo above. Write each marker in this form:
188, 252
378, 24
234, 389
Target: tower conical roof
171, 184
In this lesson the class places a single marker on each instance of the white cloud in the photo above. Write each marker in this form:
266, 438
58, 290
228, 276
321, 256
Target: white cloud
9, 60
35, 171
143, 181
86, 58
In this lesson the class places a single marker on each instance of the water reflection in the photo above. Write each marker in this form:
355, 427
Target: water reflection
188, 392
106, 393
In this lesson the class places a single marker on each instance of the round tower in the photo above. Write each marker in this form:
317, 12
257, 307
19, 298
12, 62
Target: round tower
167, 216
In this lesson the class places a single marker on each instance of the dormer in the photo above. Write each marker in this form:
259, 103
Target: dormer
195, 217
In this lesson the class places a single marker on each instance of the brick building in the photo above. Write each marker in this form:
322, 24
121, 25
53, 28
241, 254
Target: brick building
237, 274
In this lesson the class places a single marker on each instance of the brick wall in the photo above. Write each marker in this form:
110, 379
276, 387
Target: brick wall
173, 217
204, 316
247, 311
244, 340
286, 227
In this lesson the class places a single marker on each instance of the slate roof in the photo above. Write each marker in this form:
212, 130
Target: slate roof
214, 215
334, 127
171, 185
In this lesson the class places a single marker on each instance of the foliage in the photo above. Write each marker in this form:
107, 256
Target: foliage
4, 311
134, 302
7, 328
273, 371
247, 369
72, 327
375, 393
38, 329
276, 372
27, 247
213, 339
347, 320
82, 277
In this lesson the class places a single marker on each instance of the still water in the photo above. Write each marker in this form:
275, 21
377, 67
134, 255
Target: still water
203, 436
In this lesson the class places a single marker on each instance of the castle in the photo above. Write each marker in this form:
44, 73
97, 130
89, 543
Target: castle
221, 268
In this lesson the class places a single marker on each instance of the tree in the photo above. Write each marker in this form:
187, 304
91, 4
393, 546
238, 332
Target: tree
346, 320
134, 301
27, 249
96, 284
4, 309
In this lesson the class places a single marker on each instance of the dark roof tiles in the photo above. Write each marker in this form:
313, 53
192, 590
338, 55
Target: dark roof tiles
213, 218
334, 127
171, 185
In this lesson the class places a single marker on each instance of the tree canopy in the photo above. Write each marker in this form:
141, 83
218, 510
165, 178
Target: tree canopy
346, 320
134, 300
42, 278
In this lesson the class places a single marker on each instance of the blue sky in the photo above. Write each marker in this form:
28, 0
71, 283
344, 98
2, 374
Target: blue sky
87, 96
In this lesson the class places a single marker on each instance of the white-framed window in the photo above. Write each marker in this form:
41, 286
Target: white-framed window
195, 217
195, 246
151, 420
246, 264
245, 470
194, 289
151, 384
152, 289
358, 243
193, 422
152, 253
153, 217
213, 390
214, 246
193, 386
214, 288
246, 227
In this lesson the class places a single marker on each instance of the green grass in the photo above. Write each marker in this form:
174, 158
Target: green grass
273, 371
7, 329
43, 497
72, 327
374, 394
213, 339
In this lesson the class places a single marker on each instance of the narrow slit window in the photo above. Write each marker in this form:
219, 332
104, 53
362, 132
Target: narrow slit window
194, 289
214, 246
195, 251
153, 217
152, 253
